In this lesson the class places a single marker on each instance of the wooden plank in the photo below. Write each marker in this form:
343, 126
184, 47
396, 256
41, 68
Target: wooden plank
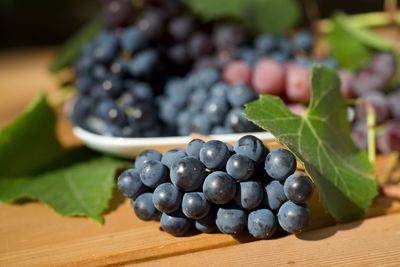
373, 242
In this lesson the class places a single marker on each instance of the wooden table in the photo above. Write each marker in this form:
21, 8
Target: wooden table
33, 235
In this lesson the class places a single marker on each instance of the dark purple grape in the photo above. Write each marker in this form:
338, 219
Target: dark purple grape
199, 45
152, 23
384, 65
380, 104
181, 28
389, 139
228, 35
117, 13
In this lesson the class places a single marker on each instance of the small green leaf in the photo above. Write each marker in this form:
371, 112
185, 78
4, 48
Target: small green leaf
321, 140
81, 189
271, 16
70, 50
29, 144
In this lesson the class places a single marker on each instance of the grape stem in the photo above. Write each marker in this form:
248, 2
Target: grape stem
371, 118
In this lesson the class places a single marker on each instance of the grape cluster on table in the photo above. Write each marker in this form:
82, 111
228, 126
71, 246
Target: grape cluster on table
212, 186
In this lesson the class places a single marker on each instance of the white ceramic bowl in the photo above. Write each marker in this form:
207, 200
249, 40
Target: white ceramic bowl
130, 147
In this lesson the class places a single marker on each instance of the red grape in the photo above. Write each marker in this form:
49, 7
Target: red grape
346, 78
268, 77
298, 83
236, 72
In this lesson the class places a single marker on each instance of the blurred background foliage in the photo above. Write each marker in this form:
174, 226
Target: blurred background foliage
47, 22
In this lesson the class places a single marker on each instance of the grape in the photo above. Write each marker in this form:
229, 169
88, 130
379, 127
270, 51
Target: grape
83, 84
129, 184
105, 47
195, 205
294, 218
236, 72
268, 77
167, 198
198, 99
249, 55
178, 54
241, 94
153, 173
204, 78
274, 195
384, 65
118, 67
99, 72
181, 28
144, 208
239, 167
152, 23
230, 220
215, 109
251, 147
200, 124
172, 156
280, 163
117, 12
187, 173
381, 107
265, 43
228, 35
141, 91
146, 156
82, 109
193, 148
206, 224
220, 90
359, 134
133, 39
175, 223
216, 130
112, 84
249, 194
199, 44
143, 64
236, 121
389, 139
366, 81
345, 83
214, 154
262, 223
141, 113
111, 113
298, 188
219, 187
303, 40
298, 83
393, 102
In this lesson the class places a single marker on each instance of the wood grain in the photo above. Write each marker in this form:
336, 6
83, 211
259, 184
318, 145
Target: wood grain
373, 242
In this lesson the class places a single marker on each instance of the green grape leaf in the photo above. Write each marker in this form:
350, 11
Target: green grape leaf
261, 16
81, 189
271, 16
34, 165
353, 46
321, 140
71, 48
210, 9
29, 144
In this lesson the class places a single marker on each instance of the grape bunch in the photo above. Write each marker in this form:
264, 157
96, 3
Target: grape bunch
206, 104
213, 186
370, 84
